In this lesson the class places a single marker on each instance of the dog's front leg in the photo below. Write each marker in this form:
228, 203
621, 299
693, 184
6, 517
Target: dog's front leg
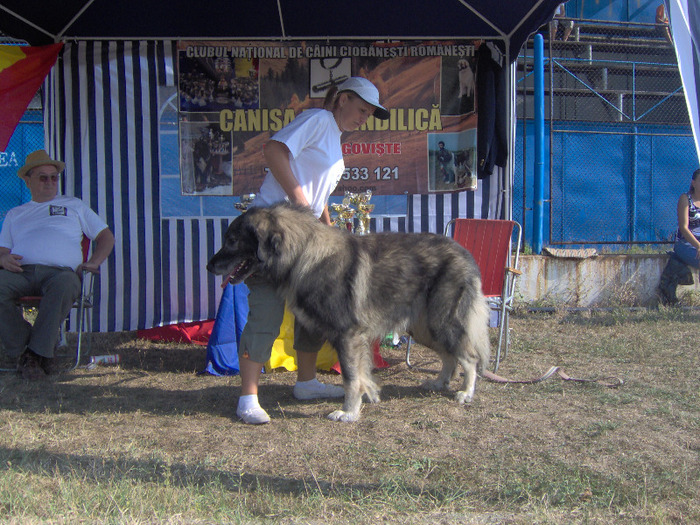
351, 362
351, 405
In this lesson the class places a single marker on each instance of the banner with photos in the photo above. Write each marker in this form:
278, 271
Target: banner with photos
234, 95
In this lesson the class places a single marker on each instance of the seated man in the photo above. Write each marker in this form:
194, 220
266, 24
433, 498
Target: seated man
41, 254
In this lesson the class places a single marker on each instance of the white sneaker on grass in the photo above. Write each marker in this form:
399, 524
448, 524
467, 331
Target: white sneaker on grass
314, 389
250, 412
253, 416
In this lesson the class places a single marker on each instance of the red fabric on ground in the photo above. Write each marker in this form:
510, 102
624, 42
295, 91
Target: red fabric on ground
379, 361
197, 332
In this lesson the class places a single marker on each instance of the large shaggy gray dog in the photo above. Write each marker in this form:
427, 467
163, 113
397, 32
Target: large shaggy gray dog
355, 289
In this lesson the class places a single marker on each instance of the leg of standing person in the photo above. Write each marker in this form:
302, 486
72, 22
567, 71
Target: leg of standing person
568, 28
553, 28
307, 345
265, 314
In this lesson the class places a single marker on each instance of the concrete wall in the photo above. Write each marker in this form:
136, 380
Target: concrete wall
603, 280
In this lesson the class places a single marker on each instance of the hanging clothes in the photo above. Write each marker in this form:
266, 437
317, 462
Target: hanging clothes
492, 126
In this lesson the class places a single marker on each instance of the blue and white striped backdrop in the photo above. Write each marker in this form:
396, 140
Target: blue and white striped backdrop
102, 118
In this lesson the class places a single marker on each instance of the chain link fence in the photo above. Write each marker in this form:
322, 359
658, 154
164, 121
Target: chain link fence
621, 149
28, 137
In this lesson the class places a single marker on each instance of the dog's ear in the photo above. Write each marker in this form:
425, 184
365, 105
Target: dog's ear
263, 227
269, 245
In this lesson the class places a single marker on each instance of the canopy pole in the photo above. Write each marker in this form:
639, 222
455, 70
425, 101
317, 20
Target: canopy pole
59, 36
538, 203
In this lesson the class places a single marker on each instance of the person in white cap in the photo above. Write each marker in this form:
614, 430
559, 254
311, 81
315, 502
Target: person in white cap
305, 164
40, 254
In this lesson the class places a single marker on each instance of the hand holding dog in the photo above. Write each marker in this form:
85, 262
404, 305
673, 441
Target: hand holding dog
277, 157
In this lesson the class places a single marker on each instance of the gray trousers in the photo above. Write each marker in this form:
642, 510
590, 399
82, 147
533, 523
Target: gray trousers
59, 288
265, 316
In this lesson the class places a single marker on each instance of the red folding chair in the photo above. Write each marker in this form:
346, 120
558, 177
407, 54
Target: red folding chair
495, 246
83, 305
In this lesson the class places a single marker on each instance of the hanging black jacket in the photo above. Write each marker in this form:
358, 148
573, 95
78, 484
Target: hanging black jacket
492, 125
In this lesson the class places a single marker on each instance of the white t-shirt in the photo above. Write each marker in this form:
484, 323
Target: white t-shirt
50, 232
316, 158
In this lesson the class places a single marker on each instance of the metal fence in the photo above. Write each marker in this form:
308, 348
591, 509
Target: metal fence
620, 143
28, 137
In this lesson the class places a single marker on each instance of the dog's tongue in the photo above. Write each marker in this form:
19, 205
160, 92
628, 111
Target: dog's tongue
226, 280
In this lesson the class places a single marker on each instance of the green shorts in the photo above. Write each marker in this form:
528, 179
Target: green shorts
265, 315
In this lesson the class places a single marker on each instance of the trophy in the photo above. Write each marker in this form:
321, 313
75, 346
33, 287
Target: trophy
345, 215
363, 211
246, 200
349, 198
363, 207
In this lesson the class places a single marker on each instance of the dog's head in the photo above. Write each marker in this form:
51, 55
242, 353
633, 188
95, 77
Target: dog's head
254, 242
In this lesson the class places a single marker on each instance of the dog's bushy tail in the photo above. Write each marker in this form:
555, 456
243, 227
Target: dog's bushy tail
479, 330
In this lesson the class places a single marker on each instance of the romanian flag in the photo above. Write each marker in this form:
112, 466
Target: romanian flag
22, 70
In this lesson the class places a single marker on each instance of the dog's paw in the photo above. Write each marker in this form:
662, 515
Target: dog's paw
463, 397
345, 417
433, 385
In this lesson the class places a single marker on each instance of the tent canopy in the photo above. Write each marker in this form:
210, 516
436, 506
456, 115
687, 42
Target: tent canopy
40, 22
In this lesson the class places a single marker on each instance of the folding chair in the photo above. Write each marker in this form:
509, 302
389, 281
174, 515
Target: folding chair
495, 246
83, 305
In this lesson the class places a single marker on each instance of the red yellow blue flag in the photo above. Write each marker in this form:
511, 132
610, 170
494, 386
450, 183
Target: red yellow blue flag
22, 70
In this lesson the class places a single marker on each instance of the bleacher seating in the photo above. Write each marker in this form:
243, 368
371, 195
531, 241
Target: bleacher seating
606, 65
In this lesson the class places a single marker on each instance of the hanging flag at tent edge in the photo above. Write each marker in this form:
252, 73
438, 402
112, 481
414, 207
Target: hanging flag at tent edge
22, 71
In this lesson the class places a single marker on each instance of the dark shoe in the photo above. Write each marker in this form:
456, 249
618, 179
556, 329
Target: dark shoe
667, 296
675, 272
29, 366
667, 291
48, 365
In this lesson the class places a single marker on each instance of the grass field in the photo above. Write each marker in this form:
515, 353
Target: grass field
151, 441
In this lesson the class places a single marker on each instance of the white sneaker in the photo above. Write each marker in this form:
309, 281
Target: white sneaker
253, 416
314, 389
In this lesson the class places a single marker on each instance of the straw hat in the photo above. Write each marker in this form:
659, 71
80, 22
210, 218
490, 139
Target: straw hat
39, 158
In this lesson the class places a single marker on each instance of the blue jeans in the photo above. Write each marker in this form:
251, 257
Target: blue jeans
686, 253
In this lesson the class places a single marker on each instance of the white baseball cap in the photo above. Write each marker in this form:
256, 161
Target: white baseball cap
367, 91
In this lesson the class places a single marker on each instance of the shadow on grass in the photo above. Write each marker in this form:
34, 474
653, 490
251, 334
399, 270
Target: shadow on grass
105, 471
124, 393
